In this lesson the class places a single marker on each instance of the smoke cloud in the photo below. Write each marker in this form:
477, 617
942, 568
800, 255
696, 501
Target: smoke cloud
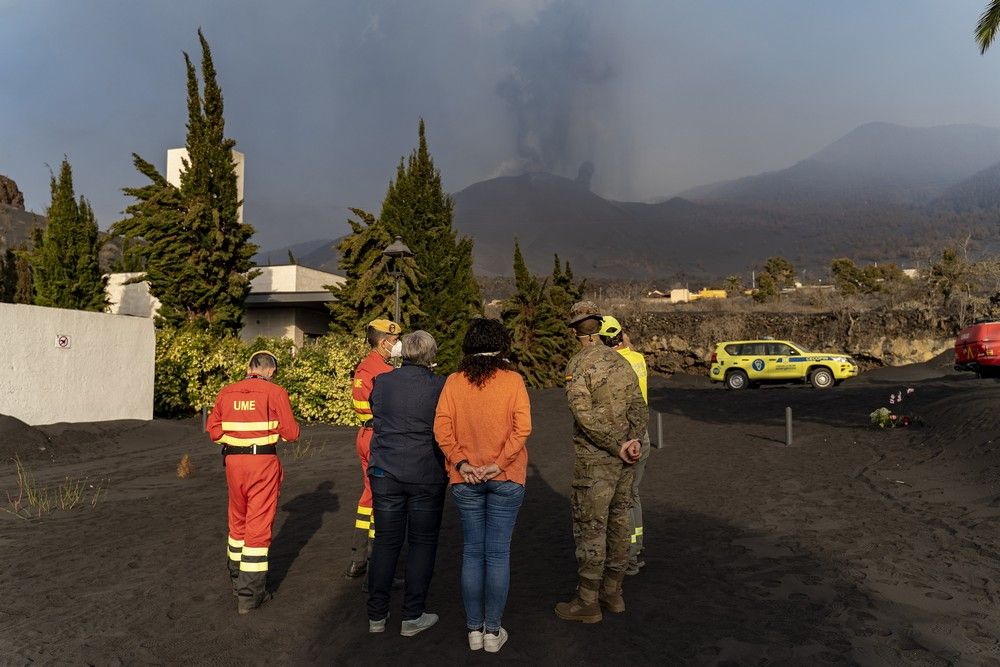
560, 71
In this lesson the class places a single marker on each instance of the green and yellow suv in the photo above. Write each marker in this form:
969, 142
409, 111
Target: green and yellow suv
744, 363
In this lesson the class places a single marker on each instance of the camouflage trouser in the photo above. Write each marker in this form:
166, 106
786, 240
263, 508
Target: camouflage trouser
602, 525
635, 548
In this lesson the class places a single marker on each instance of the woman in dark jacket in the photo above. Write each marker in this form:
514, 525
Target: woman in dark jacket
408, 481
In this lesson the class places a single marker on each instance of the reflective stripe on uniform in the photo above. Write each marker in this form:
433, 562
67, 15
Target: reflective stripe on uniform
365, 520
249, 426
234, 549
636, 534
249, 566
234, 441
362, 405
254, 559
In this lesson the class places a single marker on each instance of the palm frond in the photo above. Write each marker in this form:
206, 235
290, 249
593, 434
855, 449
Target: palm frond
989, 24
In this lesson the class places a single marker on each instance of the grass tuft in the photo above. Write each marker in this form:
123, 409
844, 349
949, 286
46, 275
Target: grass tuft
33, 500
185, 468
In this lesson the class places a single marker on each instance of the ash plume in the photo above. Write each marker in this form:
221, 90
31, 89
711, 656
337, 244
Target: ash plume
558, 72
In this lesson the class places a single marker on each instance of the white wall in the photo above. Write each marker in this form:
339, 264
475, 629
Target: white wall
104, 372
130, 299
272, 323
292, 278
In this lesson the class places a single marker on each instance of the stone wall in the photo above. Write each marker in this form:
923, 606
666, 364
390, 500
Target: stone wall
684, 341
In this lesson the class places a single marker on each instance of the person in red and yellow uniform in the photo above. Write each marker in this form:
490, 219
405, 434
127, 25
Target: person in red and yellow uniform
383, 337
248, 420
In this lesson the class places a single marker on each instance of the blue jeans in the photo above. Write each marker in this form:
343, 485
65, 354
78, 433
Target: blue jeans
489, 512
413, 512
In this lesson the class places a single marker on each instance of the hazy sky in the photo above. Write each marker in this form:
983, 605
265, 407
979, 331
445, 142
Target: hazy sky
324, 97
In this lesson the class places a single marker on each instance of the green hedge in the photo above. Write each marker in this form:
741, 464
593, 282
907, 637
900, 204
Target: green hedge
192, 366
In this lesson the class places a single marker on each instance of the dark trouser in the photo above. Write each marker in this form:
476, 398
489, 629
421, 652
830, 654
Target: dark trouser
635, 549
413, 512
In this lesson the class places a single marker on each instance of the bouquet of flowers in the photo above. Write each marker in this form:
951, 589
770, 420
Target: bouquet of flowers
885, 418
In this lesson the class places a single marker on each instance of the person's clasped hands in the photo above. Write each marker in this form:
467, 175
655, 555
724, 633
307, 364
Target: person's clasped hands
630, 451
478, 474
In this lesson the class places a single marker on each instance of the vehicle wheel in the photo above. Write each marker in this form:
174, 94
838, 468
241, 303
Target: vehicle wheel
737, 380
821, 378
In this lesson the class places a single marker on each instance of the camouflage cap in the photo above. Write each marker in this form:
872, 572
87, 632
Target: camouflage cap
583, 310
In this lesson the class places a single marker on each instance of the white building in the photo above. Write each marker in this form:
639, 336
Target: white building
287, 301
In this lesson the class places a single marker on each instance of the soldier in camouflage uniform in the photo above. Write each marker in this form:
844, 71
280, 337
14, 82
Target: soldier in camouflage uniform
610, 418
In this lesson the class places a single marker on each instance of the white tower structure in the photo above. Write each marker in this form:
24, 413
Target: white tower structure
175, 165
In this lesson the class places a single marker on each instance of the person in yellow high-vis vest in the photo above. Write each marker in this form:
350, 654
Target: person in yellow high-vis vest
613, 336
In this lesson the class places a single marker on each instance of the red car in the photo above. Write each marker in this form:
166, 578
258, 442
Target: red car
977, 348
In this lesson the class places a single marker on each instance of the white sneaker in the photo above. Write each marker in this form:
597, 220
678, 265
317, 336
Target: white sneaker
492, 642
418, 625
377, 626
475, 639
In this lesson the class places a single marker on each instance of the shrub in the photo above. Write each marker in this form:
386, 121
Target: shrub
193, 365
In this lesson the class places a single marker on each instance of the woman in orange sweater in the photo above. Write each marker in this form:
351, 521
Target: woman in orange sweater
482, 423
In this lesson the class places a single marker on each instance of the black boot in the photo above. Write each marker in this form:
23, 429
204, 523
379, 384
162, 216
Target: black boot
251, 591
234, 573
360, 551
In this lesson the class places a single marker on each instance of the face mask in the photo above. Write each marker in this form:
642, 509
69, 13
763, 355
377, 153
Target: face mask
397, 349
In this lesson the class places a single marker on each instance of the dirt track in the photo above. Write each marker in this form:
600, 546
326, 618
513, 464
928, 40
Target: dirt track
852, 546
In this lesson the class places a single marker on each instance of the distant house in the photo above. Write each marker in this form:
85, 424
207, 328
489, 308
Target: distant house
285, 301
289, 301
686, 296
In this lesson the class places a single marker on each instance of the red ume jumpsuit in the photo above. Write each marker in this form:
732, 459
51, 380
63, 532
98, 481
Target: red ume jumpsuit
370, 367
248, 418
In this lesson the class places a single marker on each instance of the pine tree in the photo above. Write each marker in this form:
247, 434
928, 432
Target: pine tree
198, 254
65, 265
369, 290
417, 208
539, 337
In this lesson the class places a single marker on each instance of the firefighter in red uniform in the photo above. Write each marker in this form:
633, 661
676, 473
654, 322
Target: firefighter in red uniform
248, 419
383, 337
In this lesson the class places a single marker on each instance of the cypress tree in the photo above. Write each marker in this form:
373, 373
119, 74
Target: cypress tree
369, 291
24, 290
65, 265
198, 255
539, 336
8, 276
563, 293
417, 208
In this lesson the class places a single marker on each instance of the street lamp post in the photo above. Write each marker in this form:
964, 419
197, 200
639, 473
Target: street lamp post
396, 251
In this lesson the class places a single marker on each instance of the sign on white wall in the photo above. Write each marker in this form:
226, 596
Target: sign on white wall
63, 342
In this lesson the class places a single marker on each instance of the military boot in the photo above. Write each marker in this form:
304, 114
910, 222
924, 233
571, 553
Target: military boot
610, 595
584, 607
